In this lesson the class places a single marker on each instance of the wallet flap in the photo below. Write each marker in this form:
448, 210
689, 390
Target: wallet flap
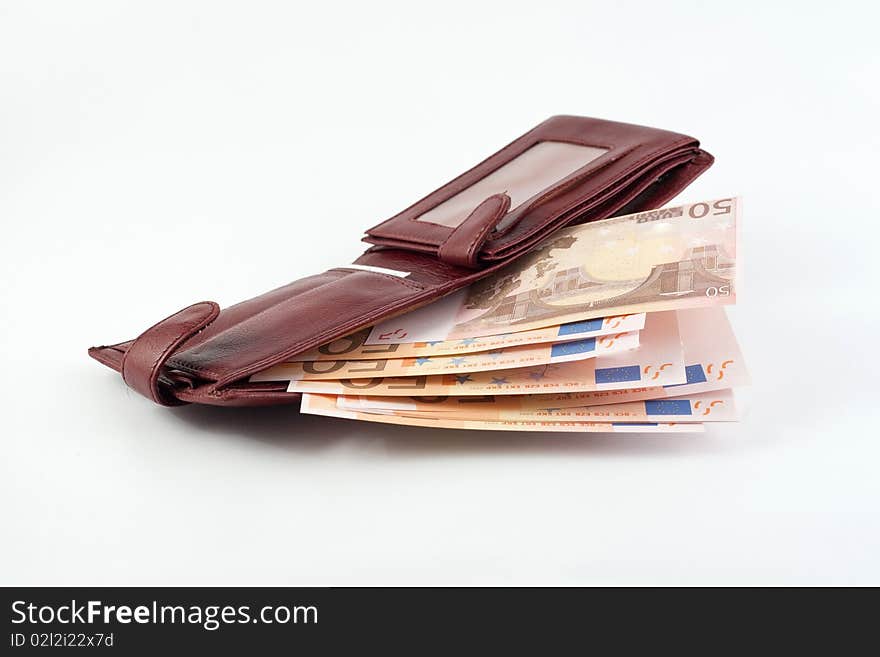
565, 165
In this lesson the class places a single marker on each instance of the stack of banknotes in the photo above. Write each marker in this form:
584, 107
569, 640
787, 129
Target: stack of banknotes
612, 326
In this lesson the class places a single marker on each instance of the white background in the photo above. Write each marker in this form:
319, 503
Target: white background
156, 154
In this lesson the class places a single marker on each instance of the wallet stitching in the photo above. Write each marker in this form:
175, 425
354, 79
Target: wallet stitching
453, 234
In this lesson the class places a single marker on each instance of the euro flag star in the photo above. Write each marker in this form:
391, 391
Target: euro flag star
536, 376
463, 378
422, 360
499, 381
468, 341
458, 361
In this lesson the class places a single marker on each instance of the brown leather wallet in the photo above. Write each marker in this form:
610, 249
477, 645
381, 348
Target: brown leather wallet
566, 170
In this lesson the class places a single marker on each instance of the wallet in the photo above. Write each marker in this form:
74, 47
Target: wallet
566, 170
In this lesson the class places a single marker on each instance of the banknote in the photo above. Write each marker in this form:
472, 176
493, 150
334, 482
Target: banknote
482, 361
356, 347
715, 406
658, 361
713, 361
678, 257
326, 405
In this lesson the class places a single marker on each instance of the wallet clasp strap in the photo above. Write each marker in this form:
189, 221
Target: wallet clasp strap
143, 362
462, 247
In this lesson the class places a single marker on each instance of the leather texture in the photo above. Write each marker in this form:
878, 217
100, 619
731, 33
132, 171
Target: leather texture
203, 355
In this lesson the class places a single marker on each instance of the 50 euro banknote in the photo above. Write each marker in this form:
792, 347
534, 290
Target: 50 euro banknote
713, 361
659, 360
358, 346
326, 405
481, 361
715, 406
683, 256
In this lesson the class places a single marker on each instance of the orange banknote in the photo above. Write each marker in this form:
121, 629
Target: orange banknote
326, 405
